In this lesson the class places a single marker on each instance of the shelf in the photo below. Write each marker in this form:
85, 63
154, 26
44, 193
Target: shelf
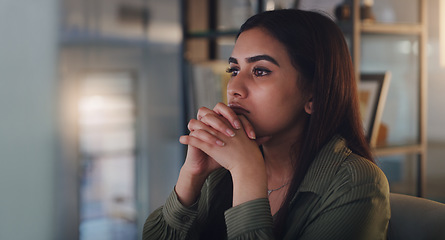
397, 150
390, 28
382, 28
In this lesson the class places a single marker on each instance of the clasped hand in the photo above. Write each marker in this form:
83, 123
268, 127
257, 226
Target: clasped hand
220, 138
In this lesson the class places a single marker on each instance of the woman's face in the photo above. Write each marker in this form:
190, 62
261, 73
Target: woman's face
263, 86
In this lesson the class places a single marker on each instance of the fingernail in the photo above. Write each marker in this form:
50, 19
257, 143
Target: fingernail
237, 124
220, 143
230, 132
252, 135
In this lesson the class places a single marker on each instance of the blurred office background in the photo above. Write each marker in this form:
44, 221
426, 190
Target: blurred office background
90, 116
91, 110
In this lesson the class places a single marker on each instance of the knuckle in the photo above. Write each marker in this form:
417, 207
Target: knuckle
204, 118
209, 118
202, 111
197, 132
219, 105
191, 124
221, 108
192, 121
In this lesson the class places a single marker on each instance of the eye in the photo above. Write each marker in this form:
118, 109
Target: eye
233, 71
260, 72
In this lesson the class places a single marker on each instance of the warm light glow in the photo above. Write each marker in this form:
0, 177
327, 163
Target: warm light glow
368, 2
270, 5
442, 32
91, 104
107, 145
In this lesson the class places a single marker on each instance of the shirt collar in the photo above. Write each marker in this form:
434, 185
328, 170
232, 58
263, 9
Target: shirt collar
325, 166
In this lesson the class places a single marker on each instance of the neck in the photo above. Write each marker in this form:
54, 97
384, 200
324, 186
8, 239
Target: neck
279, 162
279, 152
278, 166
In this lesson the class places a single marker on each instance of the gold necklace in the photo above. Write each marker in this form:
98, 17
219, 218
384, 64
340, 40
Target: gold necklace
269, 191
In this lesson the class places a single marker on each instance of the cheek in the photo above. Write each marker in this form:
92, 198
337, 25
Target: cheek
276, 113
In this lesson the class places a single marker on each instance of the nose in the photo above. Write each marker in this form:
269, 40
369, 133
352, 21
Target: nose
237, 87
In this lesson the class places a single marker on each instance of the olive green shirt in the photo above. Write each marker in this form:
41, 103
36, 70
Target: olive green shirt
343, 196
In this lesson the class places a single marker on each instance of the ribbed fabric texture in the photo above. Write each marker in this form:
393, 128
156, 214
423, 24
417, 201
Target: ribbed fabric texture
248, 217
342, 196
178, 216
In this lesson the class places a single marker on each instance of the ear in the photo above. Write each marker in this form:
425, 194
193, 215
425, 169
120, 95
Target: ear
308, 106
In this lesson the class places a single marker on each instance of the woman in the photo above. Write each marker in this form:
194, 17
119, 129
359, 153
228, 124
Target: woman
287, 158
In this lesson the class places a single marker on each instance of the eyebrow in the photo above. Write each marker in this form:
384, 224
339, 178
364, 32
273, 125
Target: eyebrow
256, 59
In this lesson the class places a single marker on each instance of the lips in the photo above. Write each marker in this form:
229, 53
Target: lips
238, 109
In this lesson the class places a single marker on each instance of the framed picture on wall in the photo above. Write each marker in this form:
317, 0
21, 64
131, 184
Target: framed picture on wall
373, 88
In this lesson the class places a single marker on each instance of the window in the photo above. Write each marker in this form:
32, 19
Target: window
106, 137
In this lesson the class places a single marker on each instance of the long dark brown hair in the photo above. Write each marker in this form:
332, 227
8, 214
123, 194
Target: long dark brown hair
319, 52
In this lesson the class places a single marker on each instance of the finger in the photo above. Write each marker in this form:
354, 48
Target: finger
207, 137
213, 124
194, 125
204, 136
197, 142
202, 111
228, 114
248, 128
218, 123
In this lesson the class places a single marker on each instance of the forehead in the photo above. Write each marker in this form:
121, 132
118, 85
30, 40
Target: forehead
257, 41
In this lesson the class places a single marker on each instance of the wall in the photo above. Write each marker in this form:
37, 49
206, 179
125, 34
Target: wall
435, 169
28, 129
155, 59
436, 74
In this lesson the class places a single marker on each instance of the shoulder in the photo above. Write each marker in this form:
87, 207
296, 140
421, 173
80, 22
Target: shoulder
357, 182
337, 167
349, 168
361, 171
358, 178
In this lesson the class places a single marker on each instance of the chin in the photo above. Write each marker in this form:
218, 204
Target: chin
262, 140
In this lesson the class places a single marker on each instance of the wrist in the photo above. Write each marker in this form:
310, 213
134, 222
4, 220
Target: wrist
188, 187
249, 184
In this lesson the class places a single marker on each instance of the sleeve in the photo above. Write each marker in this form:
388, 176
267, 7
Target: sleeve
171, 221
357, 211
250, 220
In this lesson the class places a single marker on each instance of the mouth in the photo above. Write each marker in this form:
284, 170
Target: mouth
238, 109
